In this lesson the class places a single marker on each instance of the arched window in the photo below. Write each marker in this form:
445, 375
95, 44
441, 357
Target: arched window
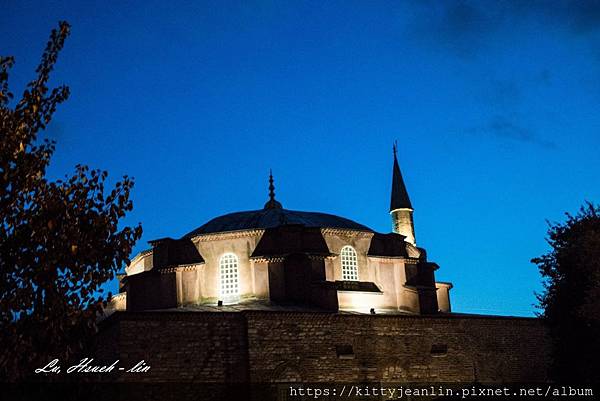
228, 269
349, 263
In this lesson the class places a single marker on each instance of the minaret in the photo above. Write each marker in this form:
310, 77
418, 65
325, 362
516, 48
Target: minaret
400, 206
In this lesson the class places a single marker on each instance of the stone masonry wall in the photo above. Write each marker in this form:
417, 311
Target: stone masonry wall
179, 346
355, 348
317, 347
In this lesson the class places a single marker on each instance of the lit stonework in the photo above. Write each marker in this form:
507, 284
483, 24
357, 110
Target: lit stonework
403, 224
278, 256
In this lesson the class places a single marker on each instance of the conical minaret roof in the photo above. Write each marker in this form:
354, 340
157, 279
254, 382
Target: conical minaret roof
400, 199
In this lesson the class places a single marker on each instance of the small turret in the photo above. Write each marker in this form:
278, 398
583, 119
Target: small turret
400, 207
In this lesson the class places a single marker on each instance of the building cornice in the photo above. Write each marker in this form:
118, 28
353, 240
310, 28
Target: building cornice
227, 235
321, 256
347, 232
267, 259
281, 258
407, 260
402, 208
140, 256
117, 297
180, 268
258, 232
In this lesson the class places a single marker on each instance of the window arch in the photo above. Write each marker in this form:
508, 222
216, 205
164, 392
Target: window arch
229, 278
349, 263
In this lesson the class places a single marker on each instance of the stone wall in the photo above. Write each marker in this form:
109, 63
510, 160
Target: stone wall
357, 348
269, 346
178, 346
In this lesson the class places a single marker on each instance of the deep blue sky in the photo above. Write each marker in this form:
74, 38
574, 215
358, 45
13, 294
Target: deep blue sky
495, 106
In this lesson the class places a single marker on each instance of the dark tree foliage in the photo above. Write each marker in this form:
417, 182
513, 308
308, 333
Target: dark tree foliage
59, 240
571, 297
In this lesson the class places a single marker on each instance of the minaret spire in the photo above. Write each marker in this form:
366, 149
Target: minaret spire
272, 203
400, 206
271, 186
400, 199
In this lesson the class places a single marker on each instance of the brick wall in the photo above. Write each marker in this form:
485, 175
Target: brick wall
315, 347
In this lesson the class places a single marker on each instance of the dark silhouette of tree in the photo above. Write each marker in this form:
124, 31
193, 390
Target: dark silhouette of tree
571, 297
59, 240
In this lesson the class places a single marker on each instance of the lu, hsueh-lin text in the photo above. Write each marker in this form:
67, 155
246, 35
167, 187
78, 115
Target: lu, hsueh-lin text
86, 366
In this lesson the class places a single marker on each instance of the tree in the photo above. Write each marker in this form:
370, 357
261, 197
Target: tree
59, 240
571, 297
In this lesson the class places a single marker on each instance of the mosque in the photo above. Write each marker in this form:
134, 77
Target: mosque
275, 256
283, 296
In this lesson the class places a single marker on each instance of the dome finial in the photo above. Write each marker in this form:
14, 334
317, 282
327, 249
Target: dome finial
271, 186
272, 203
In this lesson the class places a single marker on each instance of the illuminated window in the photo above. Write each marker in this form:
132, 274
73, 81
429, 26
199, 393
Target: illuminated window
349, 264
228, 266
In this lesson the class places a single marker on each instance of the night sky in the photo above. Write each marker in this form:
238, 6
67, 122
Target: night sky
494, 104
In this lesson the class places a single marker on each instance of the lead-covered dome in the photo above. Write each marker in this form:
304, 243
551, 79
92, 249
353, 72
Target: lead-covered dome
274, 217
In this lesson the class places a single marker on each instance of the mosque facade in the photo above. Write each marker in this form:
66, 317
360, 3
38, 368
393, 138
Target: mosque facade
276, 256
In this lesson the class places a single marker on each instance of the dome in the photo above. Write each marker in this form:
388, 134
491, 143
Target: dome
274, 217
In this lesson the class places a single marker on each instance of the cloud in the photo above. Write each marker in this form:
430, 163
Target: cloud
503, 127
467, 26
578, 17
495, 36
460, 26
